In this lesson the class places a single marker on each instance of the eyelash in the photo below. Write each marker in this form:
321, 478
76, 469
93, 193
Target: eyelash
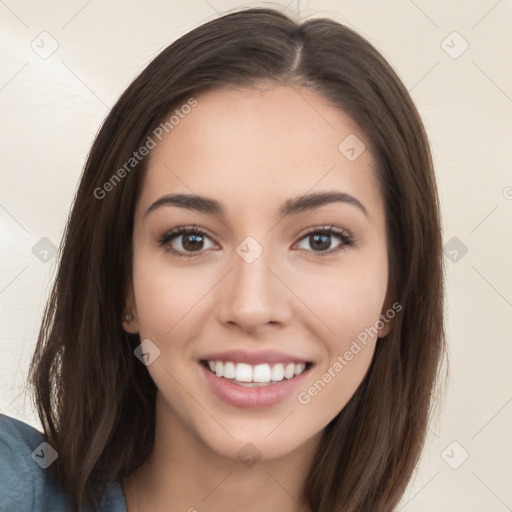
346, 239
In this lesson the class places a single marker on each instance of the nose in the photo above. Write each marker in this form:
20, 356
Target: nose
254, 295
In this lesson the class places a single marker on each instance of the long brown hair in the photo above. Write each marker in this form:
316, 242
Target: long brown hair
96, 401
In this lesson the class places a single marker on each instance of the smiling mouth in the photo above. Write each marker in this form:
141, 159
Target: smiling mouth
259, 375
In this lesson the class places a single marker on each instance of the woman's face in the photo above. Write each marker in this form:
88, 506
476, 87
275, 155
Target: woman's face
262, 293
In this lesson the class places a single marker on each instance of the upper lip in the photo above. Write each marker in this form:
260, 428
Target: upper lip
253, 358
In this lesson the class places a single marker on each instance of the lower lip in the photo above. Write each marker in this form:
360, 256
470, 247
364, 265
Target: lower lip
257, 397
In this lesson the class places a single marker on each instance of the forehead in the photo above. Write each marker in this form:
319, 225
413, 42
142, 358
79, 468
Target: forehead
267, 143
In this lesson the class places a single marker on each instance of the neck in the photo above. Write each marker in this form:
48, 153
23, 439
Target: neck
183, 474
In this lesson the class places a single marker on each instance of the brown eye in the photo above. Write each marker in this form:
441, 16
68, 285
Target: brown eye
320, 242
192, 242
186, 241
325, 240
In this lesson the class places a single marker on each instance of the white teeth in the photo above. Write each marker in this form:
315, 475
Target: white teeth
260, 373
299, 368
289, 371
243, 372
229, 370
277, 372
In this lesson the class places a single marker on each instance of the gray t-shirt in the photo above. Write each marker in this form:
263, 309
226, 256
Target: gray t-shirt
26, 484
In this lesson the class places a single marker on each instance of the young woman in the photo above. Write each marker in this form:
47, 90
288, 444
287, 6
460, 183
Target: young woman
248, 312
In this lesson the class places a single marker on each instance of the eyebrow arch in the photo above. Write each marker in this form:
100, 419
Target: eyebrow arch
293, 206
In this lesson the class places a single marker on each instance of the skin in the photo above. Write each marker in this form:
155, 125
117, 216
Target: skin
251, 149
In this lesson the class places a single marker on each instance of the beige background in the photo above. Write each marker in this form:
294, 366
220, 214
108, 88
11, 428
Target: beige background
52, 105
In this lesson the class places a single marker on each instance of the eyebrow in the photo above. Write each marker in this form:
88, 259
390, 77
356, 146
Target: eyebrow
293, 206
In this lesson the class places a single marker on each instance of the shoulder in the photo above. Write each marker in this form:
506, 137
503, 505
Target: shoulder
25, 482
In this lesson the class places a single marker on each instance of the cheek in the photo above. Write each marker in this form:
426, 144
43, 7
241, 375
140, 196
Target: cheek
352, 314
166, 298
325, 396
344, 300
348, 304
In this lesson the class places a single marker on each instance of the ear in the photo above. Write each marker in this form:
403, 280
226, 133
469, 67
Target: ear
387, 325
388, 313
130, 320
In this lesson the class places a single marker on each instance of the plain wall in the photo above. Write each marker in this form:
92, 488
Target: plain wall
52, 106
